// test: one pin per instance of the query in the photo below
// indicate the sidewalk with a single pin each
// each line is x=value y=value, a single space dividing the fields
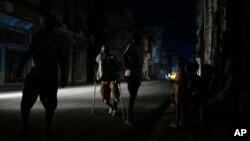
x=162 y=131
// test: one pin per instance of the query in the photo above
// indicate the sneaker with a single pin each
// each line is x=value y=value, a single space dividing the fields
x=114 y=113
x=127 y=122
x=110 y=110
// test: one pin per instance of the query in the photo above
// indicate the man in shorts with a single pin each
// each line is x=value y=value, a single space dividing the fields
x=47 y=52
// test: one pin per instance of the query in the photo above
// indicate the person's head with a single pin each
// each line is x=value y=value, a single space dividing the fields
x=50 y=21
x=105 y=49
x=193 y=66
x=137 y=38
x=181 y=62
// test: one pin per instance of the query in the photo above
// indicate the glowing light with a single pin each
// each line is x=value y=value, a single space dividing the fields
x=172 y=75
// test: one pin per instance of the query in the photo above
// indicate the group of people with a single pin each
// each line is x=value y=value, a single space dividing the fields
x=48 y=52
x=194 y=96
x=203 y=97
x=108 y=70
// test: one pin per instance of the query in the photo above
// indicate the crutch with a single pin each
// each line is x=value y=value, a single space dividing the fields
x=93 y=103
x=121 y=100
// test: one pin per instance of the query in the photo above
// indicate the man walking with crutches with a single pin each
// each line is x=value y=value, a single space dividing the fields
x=107 y=73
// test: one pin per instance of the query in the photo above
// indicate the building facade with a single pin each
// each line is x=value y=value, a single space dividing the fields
x=19 y=21
x=223 y=31
x=155 y=56
x=85 y=24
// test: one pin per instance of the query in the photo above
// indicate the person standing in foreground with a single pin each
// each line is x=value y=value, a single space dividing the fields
x=47 y=52
x=132 y=75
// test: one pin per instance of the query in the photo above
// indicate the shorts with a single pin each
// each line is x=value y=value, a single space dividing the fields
x=35 y=85
x=133 y=83
x=109 y=90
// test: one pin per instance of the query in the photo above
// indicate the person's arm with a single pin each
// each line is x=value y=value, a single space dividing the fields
x=179 y=82
x=98 y=58
x=126 y=59
x=117 y=68
x=175 y=81
x=116 y=62
x=63 y=59
x=25 y=58
x=63 y=67
x=98 y=70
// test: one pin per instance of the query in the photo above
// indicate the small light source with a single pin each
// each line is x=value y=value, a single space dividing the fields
x=172 y=75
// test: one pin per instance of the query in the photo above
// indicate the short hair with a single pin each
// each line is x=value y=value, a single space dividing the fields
x=193 y=66
x=106 y=48
x=182 y=61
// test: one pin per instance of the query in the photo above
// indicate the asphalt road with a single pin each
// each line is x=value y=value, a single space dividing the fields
x=73 y=120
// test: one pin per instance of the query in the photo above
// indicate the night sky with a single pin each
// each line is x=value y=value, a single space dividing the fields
x=176 y=17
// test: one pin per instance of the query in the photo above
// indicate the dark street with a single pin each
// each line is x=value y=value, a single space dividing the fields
x=183 y=66
x=73 y=120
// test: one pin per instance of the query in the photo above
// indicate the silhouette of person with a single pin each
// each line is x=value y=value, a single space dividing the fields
x=132 y=75
x=209 y=82
x=182 y=97
x=222 y=107
x=108 y=74
x=47 y=52
x=194 y=87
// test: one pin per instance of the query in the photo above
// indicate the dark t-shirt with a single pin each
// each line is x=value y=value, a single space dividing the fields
x=108 y=67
